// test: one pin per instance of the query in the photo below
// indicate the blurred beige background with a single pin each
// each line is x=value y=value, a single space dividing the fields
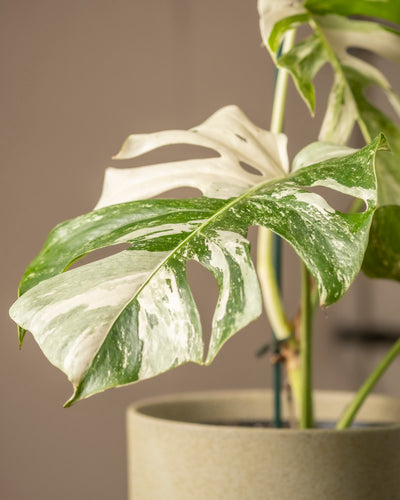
x=76 y=78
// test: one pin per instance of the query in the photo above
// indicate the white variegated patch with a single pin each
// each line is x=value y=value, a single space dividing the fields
x=228 y=132
x=271 y=12
x=168 y=325
x=71 y=314
x=228 y=257
x=319 y=151
x=343 y=34
x=148 y=233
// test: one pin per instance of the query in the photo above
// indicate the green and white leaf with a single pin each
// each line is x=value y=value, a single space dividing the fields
x=322 y=151
x=132 y=315
x=276 y=18
x=329 y=43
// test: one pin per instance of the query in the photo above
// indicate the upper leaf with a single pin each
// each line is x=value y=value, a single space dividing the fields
x=332 y=41
x=387 y=9
x=131 y=316
x=228 y=132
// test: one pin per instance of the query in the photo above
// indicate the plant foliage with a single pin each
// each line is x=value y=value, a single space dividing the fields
x=131 y=316
x=338 y=41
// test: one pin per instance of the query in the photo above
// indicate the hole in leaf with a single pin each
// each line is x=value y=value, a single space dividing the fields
x=364 y=54
x=378 y=98
x=249 y=168
x=356 y=137
x=337 y=200
x=169 y=153
x=375 y=94
x=100 y=253
x=205 y=293
x=182 y=192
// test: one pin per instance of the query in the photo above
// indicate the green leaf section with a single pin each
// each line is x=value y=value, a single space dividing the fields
x=305 y=60
x=349 y=103
x=387 y=9
x=71 y=240
x=383 y=255
x=131 y=316
x=121 y=223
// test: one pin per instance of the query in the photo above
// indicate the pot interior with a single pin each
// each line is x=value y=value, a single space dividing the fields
x=256 y=406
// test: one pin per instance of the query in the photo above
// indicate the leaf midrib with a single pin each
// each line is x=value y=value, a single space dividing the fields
x=197 y=231
x=209 y=221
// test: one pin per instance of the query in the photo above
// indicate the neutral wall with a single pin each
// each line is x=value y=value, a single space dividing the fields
x=77 y=77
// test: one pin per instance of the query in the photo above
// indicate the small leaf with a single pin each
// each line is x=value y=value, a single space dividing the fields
x=304 y=61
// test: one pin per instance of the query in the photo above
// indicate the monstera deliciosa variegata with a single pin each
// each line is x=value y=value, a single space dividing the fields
x=339 y=41
x=131 y=315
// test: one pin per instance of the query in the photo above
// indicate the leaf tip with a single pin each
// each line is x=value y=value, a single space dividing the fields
x=21 y=336
x=382 y=143
x=122 y=153
x=76 y=396
x=71 y=401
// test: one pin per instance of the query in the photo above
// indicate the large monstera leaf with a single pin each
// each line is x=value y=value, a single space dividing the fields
x=332 y=38
x=131 y=316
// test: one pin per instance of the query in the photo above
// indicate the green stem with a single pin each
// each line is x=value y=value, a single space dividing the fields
x=306 y=405
x=270 y=289
x=268 y=246
x=314 y=300
x=282 y=79
x=265 y=256
x=277 y=368
x=348 y=416
x=350 y=413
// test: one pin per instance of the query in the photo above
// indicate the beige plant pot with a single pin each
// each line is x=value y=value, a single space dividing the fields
x=173 y=456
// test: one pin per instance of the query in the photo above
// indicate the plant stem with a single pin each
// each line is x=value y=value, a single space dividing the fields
x=265 y=254
x=348 y=416
x=269 y=246
x=277 y=369
x=281 y=83
x=306 y=406
x=270 y=289
x=350 y=413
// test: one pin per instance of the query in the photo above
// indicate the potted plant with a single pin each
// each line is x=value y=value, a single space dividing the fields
x=131 y=316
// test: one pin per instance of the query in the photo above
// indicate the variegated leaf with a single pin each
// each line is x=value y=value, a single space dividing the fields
x=331 y=38
x=228 y=132
x=131 y=316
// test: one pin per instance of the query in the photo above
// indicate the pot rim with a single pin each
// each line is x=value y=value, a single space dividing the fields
x=145 y=408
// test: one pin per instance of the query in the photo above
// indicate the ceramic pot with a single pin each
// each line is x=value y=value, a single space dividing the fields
x=173 y=455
